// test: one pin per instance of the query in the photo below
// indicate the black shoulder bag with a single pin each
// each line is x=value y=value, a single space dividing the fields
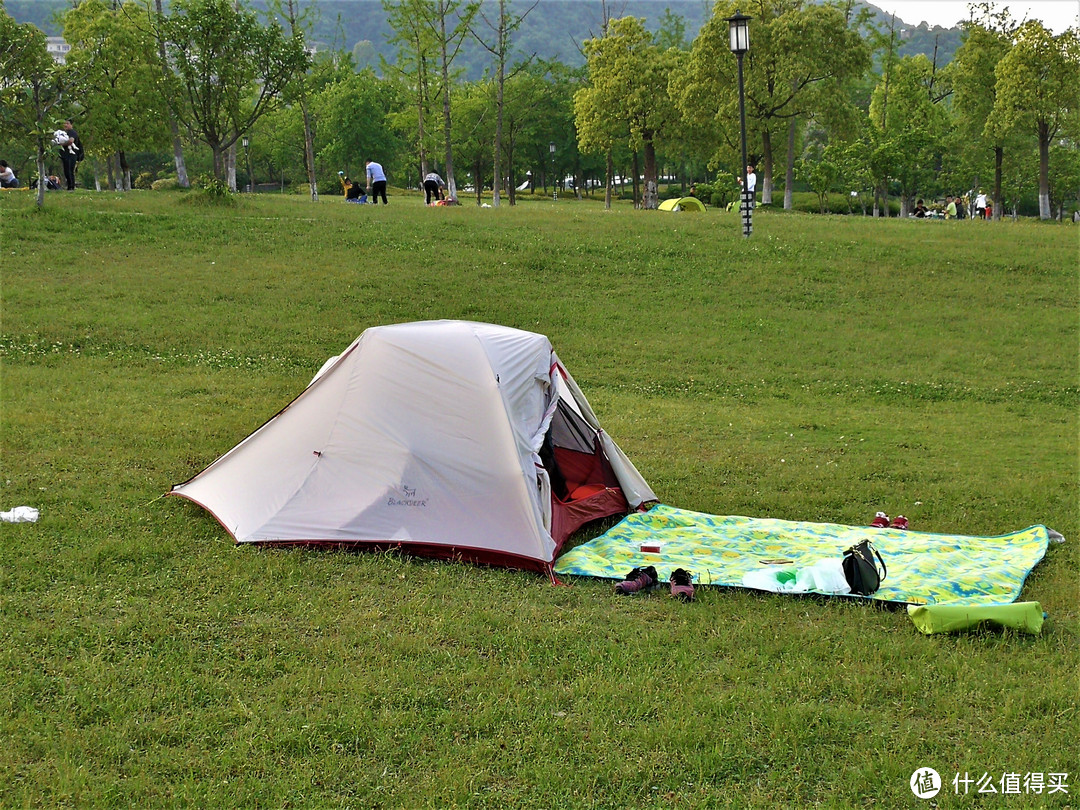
x=861 y=568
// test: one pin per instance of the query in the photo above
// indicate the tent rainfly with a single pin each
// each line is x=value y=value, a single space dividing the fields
x=446 y=439
x=682 y=204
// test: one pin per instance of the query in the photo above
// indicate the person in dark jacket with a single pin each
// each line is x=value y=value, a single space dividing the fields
x=71 y=151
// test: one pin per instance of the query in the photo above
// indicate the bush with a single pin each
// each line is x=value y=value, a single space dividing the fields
x=165 y=184
x=145 y=180
x=719 y=193
x=208 y=190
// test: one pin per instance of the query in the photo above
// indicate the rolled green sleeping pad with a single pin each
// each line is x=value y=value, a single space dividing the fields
x=1027 y=617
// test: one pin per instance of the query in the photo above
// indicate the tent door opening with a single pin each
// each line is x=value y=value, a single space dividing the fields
x=583 y=485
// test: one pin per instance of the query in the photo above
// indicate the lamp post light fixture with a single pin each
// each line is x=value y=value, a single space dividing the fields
x=554 y=182
x=739 y=31
x=247 y=154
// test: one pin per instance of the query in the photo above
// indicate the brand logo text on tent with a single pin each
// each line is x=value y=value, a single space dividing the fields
x=409 y=498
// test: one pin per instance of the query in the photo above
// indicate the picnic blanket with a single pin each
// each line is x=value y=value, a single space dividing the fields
x=923 y=568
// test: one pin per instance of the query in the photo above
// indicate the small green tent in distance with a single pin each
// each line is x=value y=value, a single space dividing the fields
x=682 y=204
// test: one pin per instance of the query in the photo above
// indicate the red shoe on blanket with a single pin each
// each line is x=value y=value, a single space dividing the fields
x=899 y=522
x=880 y=521
x=682 y=585
x=638 y=580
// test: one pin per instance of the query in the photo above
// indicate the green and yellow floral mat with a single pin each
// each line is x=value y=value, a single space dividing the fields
x=923 y=568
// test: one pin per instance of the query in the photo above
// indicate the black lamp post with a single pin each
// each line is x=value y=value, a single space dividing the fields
x=739 y=30
x=554 y=184
x=247 y=154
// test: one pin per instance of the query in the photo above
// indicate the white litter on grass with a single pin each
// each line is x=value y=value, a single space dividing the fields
x=20 y=514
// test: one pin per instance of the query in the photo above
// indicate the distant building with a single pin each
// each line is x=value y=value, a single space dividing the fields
x=57 y=48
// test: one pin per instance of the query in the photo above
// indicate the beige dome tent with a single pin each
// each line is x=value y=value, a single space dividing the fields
x=444 y=438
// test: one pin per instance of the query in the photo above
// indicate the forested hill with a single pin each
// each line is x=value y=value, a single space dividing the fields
x=553 y=30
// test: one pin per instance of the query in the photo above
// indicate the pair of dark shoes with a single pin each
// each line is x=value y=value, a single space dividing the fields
x=881 y=521
x=643 y=580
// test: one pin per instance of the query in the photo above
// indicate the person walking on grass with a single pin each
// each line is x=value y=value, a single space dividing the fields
x=71 y=151
x=377 y=181
x=980 y=205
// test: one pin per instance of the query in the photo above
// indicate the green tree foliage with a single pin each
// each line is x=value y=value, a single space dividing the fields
x=350 y=124
x=800 y=57
x=298 y=91
x=627 y=97
x=641 y=96
x=113 y=50
x=525 y=123
x=32 y=86
x=415 y=54
x=978 y=144
x=497 y=39
x=1036 y=91
x=910 y=124
x=820 y=170
x=451 y=24
x=229 y=70
x=671 y=33
x=430 y=35
x=557 y=112
x=474 y=131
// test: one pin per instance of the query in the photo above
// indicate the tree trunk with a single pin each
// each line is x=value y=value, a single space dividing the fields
x=421 y=101
x=40 y=171
x=512 y=186
x=999 y=209
x=610 y=180
x=309 y=146
x=496 y=159
x=451 y=184
x=766 y=168
x=651 y=196
x=178 y=155
x=637 y=174
x=1044 y=170
x=500 y=48
x=125 y=171
x=789 y=172
x=174 y=128
x=309 y=154
x=230 y=166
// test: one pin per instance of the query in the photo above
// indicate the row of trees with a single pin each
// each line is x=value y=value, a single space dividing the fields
x=829 y=102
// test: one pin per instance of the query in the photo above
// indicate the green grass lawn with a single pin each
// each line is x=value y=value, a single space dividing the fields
x=821 y=370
